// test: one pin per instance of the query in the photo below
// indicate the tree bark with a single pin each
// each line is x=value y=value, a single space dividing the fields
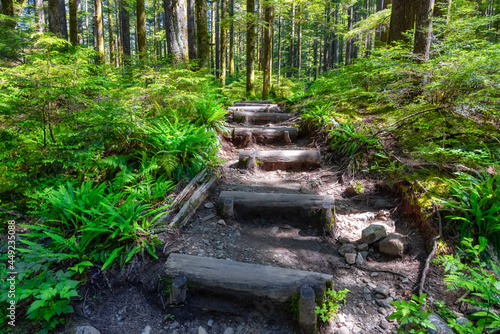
x=191 y=30
x=54 y=17
x=292 y=39
x=402 y=19
x=202 y=33
x=231 y=38
x=223 y=42
x=73 y=28
x=8 y=9
x=279 y=49
x=348 y=48
x=40 y=15
x=212 y=37
x=267 y=47
x=112 y=45
x=125 y=32
x=423 y=30
x=299 y=41
x=141 y=29
x=250 y=84
x=100 y=30
x=217 y=39
x=62 y=18
x=176 y=29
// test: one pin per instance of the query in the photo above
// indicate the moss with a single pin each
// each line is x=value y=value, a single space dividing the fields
x=294 y=307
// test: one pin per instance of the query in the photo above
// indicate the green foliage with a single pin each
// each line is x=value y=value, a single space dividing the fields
x=412 y=313
x=475 y=203
x=321 y=118
x=331 y=304
x=483 y=285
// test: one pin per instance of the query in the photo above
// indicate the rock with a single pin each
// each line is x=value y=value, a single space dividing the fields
x=405 y=280
x=307 y=190
x=202 y=330
x=359 y=259
x=374 y=232
x=354 y=210
x=366 y=290
x=392 y=245
x=383 y=324
x=210 y=323
x=344 y=240
x=382 y=289
x=274 y=230
x=147 y=330
x=356 y=330
x=229 y=330
x=342 y=330
x=441 y=326
x=363 y=247
x=463 y=321
x=221 y=222
x=209 y=205
x=347 y=248
x=374 y=274
x=350 y=258
x=364 y=254
x=382 y=203
x=86 y=330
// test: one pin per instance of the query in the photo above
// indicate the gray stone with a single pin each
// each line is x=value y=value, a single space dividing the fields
x=441 y=326
x=383 y=324
x=202 y=330
x=86 y=330
x=347 y=248
x=209 y=205
x=363 y=247
x=392 y=245
x=382 y=203
x=382 y=289
x=463 y=321
x=350 y=258
x=221 y=222
x=364 y=254
x=342 y=330
x=374 y=232
x=210 y=323
x=359 y=259
x=366 y=290
x=229 y=330
x=344 y=240
x=147 y=330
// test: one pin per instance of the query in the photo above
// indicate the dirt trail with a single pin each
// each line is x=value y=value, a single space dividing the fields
x=131 y=302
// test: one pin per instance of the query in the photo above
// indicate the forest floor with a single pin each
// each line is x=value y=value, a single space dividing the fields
x=131 y=300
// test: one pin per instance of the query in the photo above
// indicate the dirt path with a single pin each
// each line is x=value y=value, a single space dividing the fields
x=131 y=302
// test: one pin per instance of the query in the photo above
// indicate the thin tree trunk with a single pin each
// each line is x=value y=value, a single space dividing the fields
x=125 y=32
x=212 y=37
x=202 y=33
x=73 y=27
x=40 y=15
x=335 y=47
x=423 y=30
x=141 y=29
x=79 y=21
x=250 y=84
x=62 y=18
x=231 y=38
x=191 y=30
x=112 y=46
x=217 y=39
x=100 y=30
x=267 y=47
x=348 y=49
x=299 y=42
x=258 y=48
x=292 y=39
x=87 y=21
x=279 y=49
x=223 y=42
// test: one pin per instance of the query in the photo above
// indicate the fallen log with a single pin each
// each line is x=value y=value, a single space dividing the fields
x=259 y=117
x=255 y=101
x=244 y=280
x=252 y=104
x=264 y=135
x=291 y=159
x=254 y=108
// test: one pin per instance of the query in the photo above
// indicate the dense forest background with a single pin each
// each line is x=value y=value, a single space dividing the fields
x=105 y=106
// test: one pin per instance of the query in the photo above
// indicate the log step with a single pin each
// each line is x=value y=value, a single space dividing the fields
x=302 y=208
x=280 y=159
x=254 y=101
x=264 y=108
x=252 y=104
x=244 y=280
x=259 y=117
x=261 y=135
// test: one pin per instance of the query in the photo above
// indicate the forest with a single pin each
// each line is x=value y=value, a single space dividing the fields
x=108 y=109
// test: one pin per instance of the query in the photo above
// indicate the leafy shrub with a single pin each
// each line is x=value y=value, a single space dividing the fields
x=331 y=304
x=412 y=314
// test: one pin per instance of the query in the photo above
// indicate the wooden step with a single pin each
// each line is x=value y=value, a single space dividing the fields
x=259 y=117
x=274 y=108
x=243 y=280
x=255 y=101
x=301 y=208
x=261 y=135
x=252 y=104
x=280 y=159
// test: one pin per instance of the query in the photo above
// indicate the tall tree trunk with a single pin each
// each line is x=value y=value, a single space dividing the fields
x=335 y=46
x=54 y=17
x=73 y=27
x=223 y=42
x=212 y=37
x=40 y=15
x=112 y=46
x=217 y=38
x=258 y=49
x=125 y=32
x=100 y=30
x=299 y=41
x=384 y=35
x=402 y=19
x=176 y=29
x=279 y=49
x=8 y=9
x=348 y=48
x=79 y=21
x=141 y=29
x=327 y=36
x=62 y=18
x=423 y=30
x=191 y=30
x=202 y=33
x=231 y=38
x=250 y=84
x=87 y=30
x=292 y=39
x=267 y=47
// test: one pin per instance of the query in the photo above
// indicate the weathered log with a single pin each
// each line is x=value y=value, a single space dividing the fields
x=253 y=104
x=329 y=225
x=259 y=117
x=251 y=161
x=290 y=159
x=248 y=138
x=178 y=292
x=244 y=279
x=307 y=305
x=286 y=137
x=228 y=210
x=263 y=135
x=301 y=208
x=255 y=101
x=254 y=108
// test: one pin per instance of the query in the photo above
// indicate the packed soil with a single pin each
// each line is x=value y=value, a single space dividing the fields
x=133 y=300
